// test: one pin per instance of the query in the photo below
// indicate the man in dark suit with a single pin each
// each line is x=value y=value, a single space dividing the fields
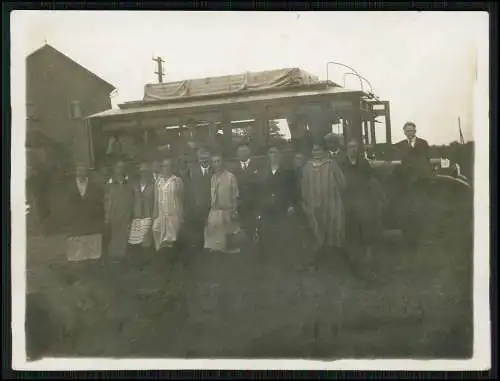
x=200 y=174
x=414 y=153
x=247 y=173
x=276 y=202
x=415 y=165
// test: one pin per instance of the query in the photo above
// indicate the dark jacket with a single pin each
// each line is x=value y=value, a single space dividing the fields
x=199 y=189
x=358 y=176
x=364 y=201
x=119 y=200
x=84 y=215
x=276 y=192
x=247 y=185
x=144 y=202
x=415 y=161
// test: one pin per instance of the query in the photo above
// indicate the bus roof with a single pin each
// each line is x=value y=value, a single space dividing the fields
x=267 y=79
x=243 y=97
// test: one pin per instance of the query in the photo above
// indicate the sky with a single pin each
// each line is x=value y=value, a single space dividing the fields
x=422 y=62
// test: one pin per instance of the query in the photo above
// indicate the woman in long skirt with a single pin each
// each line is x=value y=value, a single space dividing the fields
x=144 y=209
x=170 y=207
x=222 y=221
x=118 y=208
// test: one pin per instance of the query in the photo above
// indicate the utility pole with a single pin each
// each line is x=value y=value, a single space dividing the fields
x=462 y=141
x=159 y=61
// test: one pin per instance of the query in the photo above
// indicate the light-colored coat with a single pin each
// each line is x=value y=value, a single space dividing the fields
x=221 y=219
x=322 y=185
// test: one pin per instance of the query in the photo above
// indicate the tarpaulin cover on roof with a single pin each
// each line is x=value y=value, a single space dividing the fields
x=229 y=83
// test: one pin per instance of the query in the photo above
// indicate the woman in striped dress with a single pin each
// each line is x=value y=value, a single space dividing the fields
x=144 y=209
x=169 y=199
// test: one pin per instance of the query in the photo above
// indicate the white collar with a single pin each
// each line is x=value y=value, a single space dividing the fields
x=245 y=163
x=82 y=186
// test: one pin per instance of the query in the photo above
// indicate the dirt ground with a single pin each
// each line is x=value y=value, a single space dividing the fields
x=403 y=302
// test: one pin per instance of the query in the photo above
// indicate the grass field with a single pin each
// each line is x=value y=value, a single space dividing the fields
x=417 y=303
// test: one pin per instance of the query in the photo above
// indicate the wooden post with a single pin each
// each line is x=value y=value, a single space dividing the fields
x=388 y=133
x=212 y=131
x=91 y=144
x=355 y=125
x=265 y=132
x=327 y=119
x=346 y=130
x=256 y=135
x=373 y=137
x=159 y=61
x=262 y=131
x=365 y=132
x=146 y=138
x=227 y=133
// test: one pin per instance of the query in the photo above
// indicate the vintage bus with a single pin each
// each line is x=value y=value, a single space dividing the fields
x=178 y=116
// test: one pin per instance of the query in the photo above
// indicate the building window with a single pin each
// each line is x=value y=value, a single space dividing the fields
x=75 y=110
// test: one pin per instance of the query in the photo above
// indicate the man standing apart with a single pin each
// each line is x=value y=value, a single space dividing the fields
x=414 y=153
x=415 y=165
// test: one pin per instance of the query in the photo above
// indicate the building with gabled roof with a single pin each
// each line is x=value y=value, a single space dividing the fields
x=55 y=84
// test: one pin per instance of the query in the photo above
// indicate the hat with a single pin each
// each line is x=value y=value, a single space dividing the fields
x=331 y=137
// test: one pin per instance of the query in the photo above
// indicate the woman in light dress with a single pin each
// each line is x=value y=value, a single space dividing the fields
x=222 y=221
x=170 y=198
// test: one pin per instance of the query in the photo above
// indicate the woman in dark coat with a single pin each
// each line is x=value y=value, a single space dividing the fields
x=118 y=208
x=84 y=216
x=364 y=201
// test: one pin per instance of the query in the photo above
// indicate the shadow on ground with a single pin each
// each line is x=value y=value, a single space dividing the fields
x=415 y=303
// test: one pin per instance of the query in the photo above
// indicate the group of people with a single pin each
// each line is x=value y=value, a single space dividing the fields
x=328 y=200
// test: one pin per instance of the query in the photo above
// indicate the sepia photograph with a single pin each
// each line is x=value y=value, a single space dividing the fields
x=291 y=189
